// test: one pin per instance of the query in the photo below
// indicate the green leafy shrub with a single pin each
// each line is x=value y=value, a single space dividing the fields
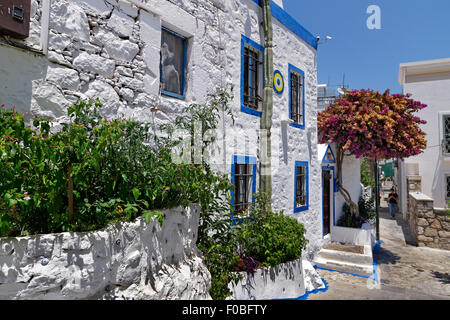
x=367 y=179
x=119 y=170
x=366 y=213
x=367 y=208
x=271 y=238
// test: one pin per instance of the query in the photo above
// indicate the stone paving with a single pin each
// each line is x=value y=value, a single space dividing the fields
x=405 y=271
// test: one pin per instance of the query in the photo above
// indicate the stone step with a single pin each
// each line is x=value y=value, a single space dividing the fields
x=355 y=268
x=337 y=255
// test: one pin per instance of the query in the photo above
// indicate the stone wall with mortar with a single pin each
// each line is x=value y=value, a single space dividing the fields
x=124 y=261
x=111 y=49
x=430 y=226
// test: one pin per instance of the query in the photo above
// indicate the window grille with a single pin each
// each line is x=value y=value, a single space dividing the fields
x=251 y=78
x=296 y=98
x=448 y=187
x=446 y=141
x=243 y=177
x=300 y=192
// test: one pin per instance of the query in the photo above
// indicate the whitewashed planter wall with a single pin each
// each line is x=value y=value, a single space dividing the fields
x=285 y=281
x=124 y=261
x=352 y=236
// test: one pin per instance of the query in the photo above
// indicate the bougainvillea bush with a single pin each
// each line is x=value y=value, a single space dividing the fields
x=367 y=123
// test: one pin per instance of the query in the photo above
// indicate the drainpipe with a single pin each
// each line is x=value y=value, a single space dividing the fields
x=45 y=19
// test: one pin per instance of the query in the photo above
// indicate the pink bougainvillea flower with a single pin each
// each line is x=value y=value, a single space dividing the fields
x=27 y=198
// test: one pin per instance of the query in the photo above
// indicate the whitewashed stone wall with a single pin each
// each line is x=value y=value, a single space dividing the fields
x=285 y=281
x=125 y=261
x=111 y=49
x=351 y=179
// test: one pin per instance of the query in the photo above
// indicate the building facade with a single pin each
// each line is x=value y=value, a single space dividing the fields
x=429 y=172
x=137 y=56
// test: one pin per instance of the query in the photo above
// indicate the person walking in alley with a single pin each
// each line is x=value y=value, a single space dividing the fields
x=393 y=199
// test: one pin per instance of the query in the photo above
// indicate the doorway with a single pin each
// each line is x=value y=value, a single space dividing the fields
x=326 y=180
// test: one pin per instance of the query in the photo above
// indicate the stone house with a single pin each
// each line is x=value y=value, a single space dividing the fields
x=424 y=180
x=139 y=55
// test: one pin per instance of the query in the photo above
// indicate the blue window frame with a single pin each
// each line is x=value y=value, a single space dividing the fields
x=243 y=177
x=173 y=64
x=296 y=97
x=301 y=186
x=252 y=76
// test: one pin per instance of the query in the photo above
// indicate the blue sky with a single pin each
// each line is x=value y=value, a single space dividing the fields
x=410 y=31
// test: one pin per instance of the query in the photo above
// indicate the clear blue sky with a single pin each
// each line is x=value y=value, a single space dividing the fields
x=410 y=31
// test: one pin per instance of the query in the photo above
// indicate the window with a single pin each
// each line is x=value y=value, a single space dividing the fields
x=251 y=76
x=301 y=189
x=243 y=177
x=296 y=97
x=447 y=194
x=446 y=140
x=173 y=64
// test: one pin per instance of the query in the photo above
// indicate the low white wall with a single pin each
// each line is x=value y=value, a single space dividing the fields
x=351 y=235
x=285 y=281
x=125 y=261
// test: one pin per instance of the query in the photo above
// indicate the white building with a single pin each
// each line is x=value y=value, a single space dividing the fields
x=138 y=54
x=333 y=201
x=429 y=83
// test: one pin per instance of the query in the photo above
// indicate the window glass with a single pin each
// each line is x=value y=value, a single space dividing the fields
x=172 y=62
x=251 y=78
x=243 y=177
x=300 y=192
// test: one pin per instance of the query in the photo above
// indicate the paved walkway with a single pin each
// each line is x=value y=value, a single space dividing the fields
x=404 y=270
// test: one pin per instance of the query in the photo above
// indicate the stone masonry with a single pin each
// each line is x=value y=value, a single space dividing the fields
x=430 y=226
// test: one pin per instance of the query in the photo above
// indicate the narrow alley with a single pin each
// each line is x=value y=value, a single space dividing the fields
x=403 y=271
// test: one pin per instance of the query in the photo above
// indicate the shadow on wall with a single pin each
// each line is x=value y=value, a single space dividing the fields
x=407 y=233
x=18 y=70
x=438 y=184
x=443 y=277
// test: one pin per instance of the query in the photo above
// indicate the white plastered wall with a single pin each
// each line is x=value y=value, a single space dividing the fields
x=83 y=62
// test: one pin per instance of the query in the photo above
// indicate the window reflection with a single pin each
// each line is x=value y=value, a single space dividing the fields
x=172 y=62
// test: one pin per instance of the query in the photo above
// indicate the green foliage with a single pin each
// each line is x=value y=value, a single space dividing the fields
x=217 y=237
x=367 y=208
x=367 y=178
x=271 y=237
x=366 y=212
x=120 y=170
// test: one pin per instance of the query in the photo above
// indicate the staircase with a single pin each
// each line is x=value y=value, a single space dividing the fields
x=346 y=258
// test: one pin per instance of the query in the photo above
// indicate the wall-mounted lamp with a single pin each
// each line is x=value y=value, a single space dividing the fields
x=327 y=38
